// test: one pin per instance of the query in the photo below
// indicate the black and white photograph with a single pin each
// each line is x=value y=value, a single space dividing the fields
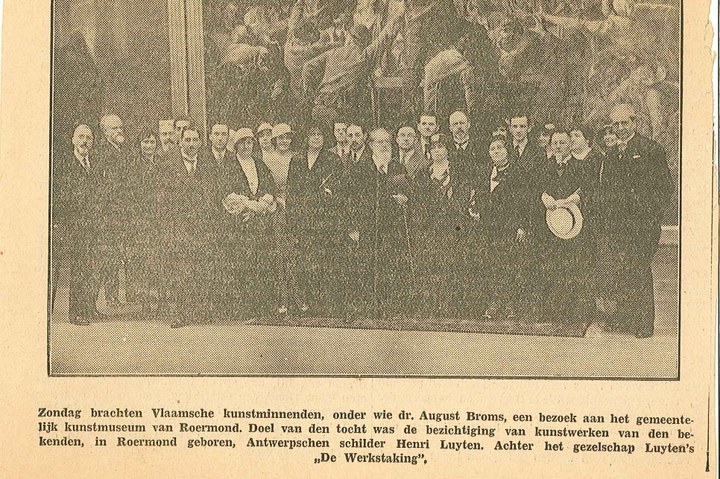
x=365 y=188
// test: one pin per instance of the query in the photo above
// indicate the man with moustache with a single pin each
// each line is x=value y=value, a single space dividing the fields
x=115 y=156
x=357 y=139
x=342 y=144
x=188 y=207
x=409 y=154
x=635 y=189
x=166 y=135
x=378 y=197
x=179 y=124
x=78 y=190
x=465 y=152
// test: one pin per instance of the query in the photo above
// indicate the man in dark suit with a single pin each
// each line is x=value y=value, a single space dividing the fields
x=427 y=127
x=523 y=151
x=78 y=189
x=377 y=223
x=115 y=156
x=635 y=189
x=188 y=205
x=502 y=207
x=342 y=144
x=357 y=140
x=216 y=151
x=409 y=153
x=166 y=135
x=466 y=153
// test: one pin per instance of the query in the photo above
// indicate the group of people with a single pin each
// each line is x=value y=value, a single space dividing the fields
x=339 y=220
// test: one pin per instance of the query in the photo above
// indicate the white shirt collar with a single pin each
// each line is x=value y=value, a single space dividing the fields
x=358 y=153
x=81 y=159
x=380 y=163
x=521 y=144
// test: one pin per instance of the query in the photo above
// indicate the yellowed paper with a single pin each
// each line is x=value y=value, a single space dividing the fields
x=293 y=401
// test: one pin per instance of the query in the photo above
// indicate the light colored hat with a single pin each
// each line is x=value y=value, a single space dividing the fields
x=263 y=127
x=281 y=129
x=565 y=222
x=238 y=135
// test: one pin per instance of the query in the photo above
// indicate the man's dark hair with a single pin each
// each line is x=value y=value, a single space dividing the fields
x=362 y=128
x=518 y=114
x=405 y=124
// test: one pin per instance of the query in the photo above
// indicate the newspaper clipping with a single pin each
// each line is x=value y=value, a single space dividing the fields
x=358 y=238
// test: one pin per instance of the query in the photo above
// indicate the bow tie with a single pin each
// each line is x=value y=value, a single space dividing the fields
x=622 y=145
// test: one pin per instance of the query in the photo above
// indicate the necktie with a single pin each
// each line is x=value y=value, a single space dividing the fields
x=426 y=148
x=354 y=156
x=517 y=150
x=86 y=163
x=383 y=169
x=193 y=166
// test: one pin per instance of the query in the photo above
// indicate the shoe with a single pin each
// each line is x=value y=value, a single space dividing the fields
x=282 y=312
x=80 y=321
x=510 y=313
x=304 y=311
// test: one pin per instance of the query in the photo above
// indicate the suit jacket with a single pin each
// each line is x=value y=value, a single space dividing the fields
x=415 y=163
x=207 y=153
x=164 y=155
x=187 y=206
x=78 y=197
x=345 y=158
x=532 y=156
x=440 y=220
x=371 y=209
x=143 y=184
x=635 y=189
x=118 y=196
x=468 y=163
x=313 y=200
x=507 y=208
